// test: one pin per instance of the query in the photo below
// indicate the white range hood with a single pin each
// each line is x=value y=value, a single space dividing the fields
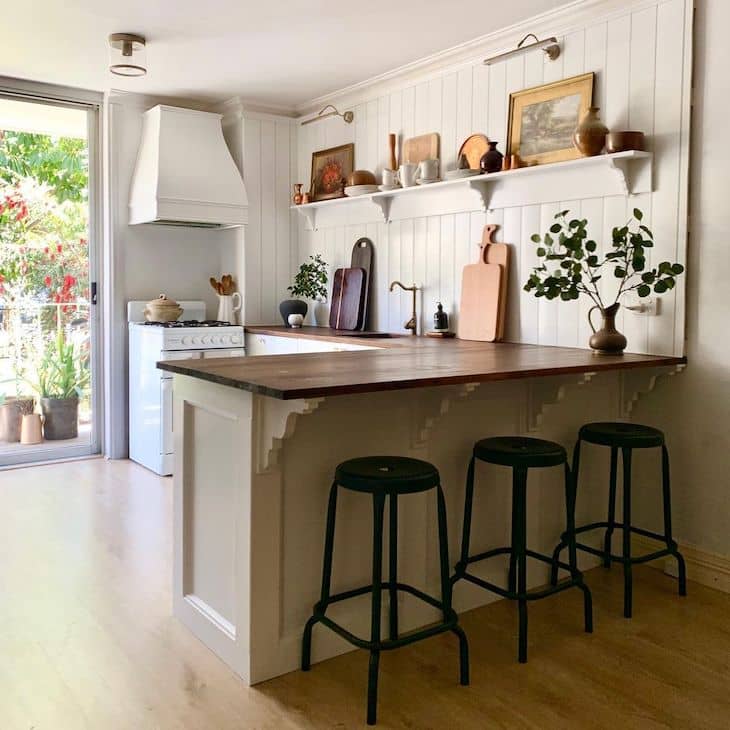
x=185 y=175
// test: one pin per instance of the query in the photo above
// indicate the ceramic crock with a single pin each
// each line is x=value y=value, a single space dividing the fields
x=162 y=309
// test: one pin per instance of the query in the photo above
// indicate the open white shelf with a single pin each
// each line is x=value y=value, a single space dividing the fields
x=622 y=173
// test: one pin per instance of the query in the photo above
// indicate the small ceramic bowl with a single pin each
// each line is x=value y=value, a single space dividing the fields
x=295 y=320
x=624 y=141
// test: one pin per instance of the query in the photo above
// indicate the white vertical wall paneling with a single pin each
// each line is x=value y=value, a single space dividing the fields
x=268 y=222
x=637 y=58
x=252 y=174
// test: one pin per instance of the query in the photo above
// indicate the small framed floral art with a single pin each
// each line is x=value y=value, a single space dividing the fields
x=330 y=169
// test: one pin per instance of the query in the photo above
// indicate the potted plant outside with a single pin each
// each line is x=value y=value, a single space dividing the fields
x=12 y=410
x=570 y=267
x=63 y=375
x=310 y=283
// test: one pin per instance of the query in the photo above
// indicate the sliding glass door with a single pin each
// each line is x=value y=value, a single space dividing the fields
x=49 y=394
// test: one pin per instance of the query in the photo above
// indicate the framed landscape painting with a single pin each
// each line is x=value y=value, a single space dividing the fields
x=542 y=119
x=330 y=169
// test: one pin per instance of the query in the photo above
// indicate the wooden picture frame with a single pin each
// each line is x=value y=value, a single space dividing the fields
x=542 y=119
x=330 y=170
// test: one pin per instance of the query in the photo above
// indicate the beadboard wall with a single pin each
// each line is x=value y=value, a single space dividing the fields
x=640 y=54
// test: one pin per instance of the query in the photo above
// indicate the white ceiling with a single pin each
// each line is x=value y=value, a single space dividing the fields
x=275 y=52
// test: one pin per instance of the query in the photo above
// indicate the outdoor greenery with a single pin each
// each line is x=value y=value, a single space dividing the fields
x=63 y=369
x=571 y=265
x=311 y=280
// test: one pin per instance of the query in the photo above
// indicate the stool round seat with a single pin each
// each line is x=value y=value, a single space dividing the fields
x=520 y=451
x=622 y=435
x=387 y=475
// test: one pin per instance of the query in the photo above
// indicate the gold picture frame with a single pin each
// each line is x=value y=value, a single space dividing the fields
x=542 y=119
x=330 y=170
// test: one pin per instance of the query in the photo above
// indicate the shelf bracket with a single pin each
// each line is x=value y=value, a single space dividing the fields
x=634 y=173
x=482 y=190
x=310 y=215
x=383 y=205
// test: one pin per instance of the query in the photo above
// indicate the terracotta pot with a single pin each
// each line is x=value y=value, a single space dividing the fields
x=492 y=159
x=607 y=340
x=60 y=418
x=590 y=134
x=31 y=429
x=297 y=198
x=11 y=417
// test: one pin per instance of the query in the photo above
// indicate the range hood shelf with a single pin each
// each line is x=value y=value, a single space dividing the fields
x=185 y=175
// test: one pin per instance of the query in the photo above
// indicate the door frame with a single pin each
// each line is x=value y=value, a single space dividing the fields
x=92 y=103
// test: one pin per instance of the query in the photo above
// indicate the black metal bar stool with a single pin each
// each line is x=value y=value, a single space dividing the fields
x=627 y=437
x=520 y=453
x=381 y=477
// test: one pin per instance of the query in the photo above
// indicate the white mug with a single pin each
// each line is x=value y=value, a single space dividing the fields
x=228 y=307
x=428 y=169
x=390 y=178
x=408 y=172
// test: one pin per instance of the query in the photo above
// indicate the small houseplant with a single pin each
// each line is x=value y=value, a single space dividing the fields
x=570 y=267
x=310 y=282
x=62 y=376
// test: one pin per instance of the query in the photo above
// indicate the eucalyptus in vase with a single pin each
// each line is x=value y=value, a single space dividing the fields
x=570 y=266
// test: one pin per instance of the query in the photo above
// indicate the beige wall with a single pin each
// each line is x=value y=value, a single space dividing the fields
x=694 y=407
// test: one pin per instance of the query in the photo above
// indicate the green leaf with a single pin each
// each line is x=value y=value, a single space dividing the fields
x=535 y=238
x=592 y=261
x=677 y=269
x=541 y=251
x=648 y=277
x=619 y=273
x=591 y=246
x=638 y=214
x=647 y=231
x=660 y=287
x=643 y=290
x=555 y=228
x=638 y=262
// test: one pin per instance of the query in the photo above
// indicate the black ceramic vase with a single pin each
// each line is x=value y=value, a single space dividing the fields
x=292 y=306
x=491 y=160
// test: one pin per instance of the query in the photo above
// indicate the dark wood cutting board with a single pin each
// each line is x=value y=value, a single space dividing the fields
x=362 y=257
x=348 y=292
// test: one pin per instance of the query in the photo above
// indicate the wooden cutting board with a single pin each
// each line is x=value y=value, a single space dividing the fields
x=481 y=284
x=498 y=253
x=348 y=292
x=362 y=258
x=424 y=147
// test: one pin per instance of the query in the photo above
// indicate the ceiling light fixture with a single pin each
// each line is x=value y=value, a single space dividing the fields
x=127 y=54
x=548 y=45
x=347 y=116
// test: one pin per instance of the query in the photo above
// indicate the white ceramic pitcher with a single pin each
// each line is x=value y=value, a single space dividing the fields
x=228 y=307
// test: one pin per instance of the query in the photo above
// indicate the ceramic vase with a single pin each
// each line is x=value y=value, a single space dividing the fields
x=229 y=305
x=321 y=312
x=607 y=340
x=491 y=160
x=590 y=134
x=297 y=197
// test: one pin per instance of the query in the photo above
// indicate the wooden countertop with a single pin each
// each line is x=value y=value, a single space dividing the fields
x=399 y=363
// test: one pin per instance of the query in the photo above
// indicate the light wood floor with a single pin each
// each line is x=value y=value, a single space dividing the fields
x=87 y=639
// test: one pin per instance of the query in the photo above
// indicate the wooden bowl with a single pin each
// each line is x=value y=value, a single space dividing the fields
x=624 y=141
x=361 y=177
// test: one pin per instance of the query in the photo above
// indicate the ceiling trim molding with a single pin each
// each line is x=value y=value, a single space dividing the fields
x=561 y=21
x=236 y=109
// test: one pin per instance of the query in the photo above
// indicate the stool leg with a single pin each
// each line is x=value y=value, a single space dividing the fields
x=378 y=509
x=564 y=537
x=393 y=565
x=321 y=607
x=512 y=574
x=626 y=458
x=466 y=528
x=443 y=552
x=682 y=571
x=519 y=484
x=607 y=541
x=570 y=519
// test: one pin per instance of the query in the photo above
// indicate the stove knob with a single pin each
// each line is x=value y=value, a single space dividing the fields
x=235 y=339
x=186 y=340
x=216 y=339
x=205 y=340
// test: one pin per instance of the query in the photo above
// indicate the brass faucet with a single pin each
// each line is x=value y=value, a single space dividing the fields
x=411 y=323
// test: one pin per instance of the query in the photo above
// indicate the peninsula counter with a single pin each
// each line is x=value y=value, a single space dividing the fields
x=257 y=440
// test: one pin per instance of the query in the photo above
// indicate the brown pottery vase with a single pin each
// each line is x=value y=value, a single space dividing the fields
x=491 y=160
x=607 y=340
x=590 y=134
x=297 y=197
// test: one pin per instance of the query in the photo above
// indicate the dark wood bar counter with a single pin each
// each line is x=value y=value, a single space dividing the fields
x=397 y=363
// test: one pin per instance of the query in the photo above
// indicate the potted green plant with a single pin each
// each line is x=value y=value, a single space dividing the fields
x=12 y=410
x=62 y=376
x=570 y=267
x=310 y=282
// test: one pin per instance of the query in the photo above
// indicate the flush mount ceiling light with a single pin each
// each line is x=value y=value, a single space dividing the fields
x=548 y=45
x=347 y=116
x=127 y=54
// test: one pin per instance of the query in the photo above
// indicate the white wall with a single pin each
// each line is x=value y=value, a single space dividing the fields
x=694 y=408
x=639 y=60
x=146 y=260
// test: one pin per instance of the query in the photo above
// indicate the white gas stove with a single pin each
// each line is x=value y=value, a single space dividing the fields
x=150 y=389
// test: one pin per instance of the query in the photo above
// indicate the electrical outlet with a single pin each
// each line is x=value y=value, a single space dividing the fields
x=648 y=306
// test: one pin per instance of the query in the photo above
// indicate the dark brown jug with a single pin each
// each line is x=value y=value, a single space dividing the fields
x=607 y=340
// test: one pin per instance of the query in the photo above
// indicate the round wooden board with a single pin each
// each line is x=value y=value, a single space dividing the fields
x=474 y=148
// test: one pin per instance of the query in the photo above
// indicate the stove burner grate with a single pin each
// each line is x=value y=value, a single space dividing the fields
x=189 y=323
